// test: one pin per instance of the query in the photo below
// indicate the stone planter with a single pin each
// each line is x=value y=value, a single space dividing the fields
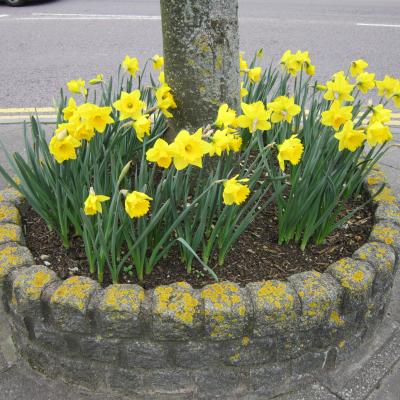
x=176 y=342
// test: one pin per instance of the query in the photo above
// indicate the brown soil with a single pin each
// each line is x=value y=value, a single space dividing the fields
x=256 y=255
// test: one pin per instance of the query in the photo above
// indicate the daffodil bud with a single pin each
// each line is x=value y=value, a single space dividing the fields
x=321 y=87
x=124 y=172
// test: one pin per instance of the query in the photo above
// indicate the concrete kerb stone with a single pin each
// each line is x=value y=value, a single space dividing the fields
x=184 y=335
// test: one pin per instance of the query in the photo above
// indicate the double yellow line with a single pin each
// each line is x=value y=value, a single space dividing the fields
x=15 y=115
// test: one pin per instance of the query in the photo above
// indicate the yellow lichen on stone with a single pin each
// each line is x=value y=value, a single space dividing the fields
x=352 y=275
x=9 y=213
x=117 y=298
x=358 y=276
x=29 y=283
x=8 y=233
x=386 y=196
x=235 y=357
x=9 y=258
x=181 y=304
x=245 y=341
x=341 y=344
x=336 y=319
x=275 y=293
x=385 y=233
x=224 y=305
x=74 y=291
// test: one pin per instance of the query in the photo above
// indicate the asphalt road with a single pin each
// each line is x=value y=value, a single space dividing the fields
x=47 y=43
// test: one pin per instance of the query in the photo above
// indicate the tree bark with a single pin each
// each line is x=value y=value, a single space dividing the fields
x=201 y=52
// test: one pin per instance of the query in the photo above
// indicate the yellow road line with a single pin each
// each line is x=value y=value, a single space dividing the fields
x=27 y=110
x=24 y=117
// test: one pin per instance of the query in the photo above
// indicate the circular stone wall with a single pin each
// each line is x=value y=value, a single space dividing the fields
x=221 y=341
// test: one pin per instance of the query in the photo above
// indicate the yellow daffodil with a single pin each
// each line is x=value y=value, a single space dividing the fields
x=188 y=149
x=377 y=133
x=388 y=86
x=70 y=109
x=339 y=88
x=129 y=105
x=165 y=100
x=160 y=154
x=365 y=81
x=77 y=86
x=294 y=63
x=142 y=127
x=158 y=62
x=235 y=142
x=62 y=147
x=336 y=116
x=137 y=204
x=290 y=150
x=234 y=191
x=93 y=202
x=357 y=67
x=97 y=79
x=254 y=117
x=220 y=142
x=242 y=63
x=95 y=117
x=161 y=78
x=226 y=116
x=254 y=74
x=380 y=114
x=283 y=109
x=79 y=129
x=349 y=138
x=131 y=65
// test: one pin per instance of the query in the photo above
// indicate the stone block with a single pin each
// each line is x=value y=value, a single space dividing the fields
x=387 y=232
x=221 y=383
x=388 y=212
x=177 y=311
x=10 y=233
x=48 y=337
x=318 y=295
x=251 y=351
x=27 y=285
x=383 y=259
x=199 y=354
x=11 y=195
x=386 y=196
x=9 y=214
x=116 y=310
x=146 y=354
x=292 y=345
x=97 y=348
x=168 y=381
x=276 y=307
x=227 y=310
x=356 y=278
x=69 y=303
x=13 y=256
x=269 y=380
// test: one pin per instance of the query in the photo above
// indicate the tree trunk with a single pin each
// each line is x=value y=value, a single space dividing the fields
x=201 y=51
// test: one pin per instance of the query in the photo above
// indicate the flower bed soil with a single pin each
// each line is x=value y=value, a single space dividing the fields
x=255 y=257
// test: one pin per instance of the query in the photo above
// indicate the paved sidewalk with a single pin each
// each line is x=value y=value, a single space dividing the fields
x=373 y=374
